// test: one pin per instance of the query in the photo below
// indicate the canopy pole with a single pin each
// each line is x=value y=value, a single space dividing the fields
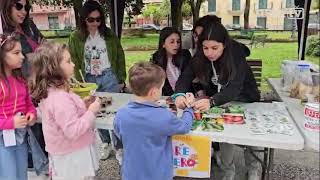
x=115 y=7
x=304 y=30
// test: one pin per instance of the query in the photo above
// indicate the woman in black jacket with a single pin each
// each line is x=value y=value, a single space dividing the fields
x=221 y=68
x=171 y=58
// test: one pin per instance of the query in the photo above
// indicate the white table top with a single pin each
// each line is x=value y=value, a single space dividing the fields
x=234 y=134
x=296 y=110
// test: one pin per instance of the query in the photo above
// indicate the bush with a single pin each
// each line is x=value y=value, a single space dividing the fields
x=313 y=46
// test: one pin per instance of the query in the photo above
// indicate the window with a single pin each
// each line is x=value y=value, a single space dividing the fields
x=235 y=5
x=289 y=3
x=263 y=4
x=212 y=5
x=236 y=20
x=288 y=24
x=53 y=22
x=262 y=22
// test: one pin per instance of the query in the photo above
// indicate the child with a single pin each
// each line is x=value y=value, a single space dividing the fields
x=17 y=111
x=68 y=125
x=146 y=128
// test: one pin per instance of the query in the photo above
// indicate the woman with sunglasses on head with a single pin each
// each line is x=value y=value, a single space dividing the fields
x=221 y=67
x=171 y=58
x=96 y=52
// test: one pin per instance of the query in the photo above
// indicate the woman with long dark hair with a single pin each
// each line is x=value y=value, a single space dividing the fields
x=15 y=19
x=171 y=58
x=96 y=52
x=221 y=68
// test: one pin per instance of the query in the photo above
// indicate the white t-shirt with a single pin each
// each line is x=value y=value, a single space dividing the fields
x=96 y=55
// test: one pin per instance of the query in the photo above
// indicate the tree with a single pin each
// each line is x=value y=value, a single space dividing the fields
x=186 y=9
x=133 y=7
x=246 y=14
x=157 y=12
x=195 y=9
x=176 y=13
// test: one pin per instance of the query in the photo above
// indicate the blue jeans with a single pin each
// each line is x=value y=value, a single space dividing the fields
x=107 y=82
x=13 y=162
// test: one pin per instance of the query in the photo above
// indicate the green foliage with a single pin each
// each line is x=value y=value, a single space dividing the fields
x=186 y=9
x=313 y=46
x=157 y=12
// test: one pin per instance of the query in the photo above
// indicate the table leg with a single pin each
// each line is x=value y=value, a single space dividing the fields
x=270 y=162
x=111 y=139
x=264 y=164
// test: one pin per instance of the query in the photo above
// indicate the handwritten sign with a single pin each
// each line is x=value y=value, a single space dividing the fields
x=191 y=156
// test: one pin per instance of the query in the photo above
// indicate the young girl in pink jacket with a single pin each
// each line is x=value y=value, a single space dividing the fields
x=16 y=111
x=68 y=121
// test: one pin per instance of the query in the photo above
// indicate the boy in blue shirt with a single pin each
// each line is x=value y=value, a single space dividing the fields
x=145 y=128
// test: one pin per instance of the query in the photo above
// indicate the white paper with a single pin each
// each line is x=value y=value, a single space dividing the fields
x=9 y=138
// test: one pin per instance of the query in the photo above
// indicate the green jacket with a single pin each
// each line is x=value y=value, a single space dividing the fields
x=115 y=54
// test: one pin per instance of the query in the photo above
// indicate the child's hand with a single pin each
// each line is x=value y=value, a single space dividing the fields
x=95 y=106
x=20 y=121
x=88 y=100
x=190 y=99
x=31 y=119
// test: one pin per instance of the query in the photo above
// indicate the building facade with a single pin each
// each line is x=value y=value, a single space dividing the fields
x=263 y=14
x=52 y=17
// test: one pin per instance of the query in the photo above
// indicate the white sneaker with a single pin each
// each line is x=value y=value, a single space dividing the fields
x=119 y=155
x=106 y=151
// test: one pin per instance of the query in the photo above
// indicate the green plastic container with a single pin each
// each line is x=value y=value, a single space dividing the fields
x=86 y=90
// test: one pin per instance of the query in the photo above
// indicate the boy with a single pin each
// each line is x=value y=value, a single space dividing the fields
x=145 y=128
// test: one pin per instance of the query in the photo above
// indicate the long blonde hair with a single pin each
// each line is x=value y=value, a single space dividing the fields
x=46 y=70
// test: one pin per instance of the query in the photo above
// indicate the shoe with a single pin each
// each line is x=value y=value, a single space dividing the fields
x=106 y=151
x=119 y=155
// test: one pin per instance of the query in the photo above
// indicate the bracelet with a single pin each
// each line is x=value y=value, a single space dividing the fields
x=174 y=96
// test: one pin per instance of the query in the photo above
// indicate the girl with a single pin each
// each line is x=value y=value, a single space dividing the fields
x=17 y=111
x=67 y=122
x=171 y=58
x=15 y=18
x=221 y=67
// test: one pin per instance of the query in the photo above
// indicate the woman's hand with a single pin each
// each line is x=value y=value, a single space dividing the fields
x=202 y=105
x=181 y=102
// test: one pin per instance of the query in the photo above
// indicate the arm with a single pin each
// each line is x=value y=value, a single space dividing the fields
x=6 y=123
x=65 y=113
x=185 y=80
x=116 y=126
x=74 y=56
x=172 y=125
x=235 y=85
x=121 y=62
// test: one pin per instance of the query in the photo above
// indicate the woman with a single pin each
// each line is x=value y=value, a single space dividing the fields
x=15 y=19
x=171 y=58
x=97 y=53
x=220 y=66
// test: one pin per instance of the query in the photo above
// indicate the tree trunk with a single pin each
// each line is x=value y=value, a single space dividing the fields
x=176 y=13
x=77 y=5
x=246 y=14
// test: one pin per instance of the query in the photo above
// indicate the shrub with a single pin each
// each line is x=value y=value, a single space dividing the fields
x=313 y=45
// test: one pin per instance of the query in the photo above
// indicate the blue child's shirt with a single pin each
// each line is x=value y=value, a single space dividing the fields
x=145 y=130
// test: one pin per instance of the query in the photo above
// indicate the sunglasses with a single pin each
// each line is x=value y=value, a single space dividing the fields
x=20 y=6
x=91 y=19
